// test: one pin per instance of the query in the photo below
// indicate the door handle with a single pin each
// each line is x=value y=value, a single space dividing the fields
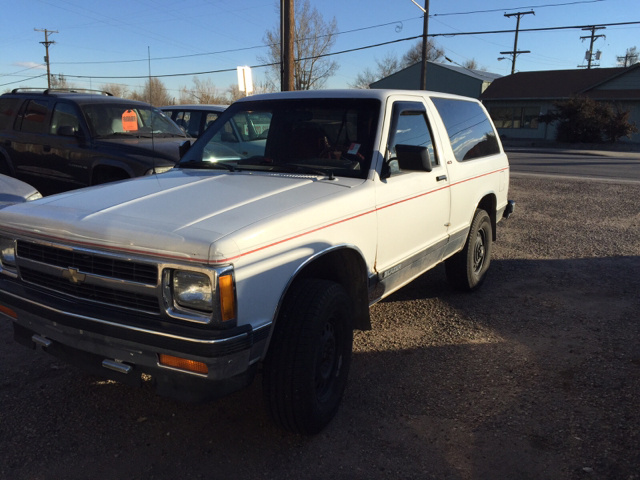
x=440 y=178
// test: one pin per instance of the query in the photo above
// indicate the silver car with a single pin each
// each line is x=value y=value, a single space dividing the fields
x=193 y=119
x=13 y=191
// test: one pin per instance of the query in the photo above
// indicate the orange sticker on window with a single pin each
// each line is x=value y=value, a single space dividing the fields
x=129 y=121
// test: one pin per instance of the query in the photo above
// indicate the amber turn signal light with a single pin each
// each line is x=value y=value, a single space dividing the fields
x=8 y=311
x=183 y=364
x=227 y=298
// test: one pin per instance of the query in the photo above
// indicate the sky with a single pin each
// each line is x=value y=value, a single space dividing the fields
x=100 y=42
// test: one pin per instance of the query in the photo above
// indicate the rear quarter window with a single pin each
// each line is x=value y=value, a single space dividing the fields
x=469 y=128
x=34 y=116
x=8 y=109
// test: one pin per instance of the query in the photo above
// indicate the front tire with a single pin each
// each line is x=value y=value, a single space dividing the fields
x=466 y=270
x=307 y=365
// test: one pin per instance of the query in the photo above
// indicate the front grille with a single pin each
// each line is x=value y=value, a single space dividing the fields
x=124 y=273
x=89 y=263
x=95 y=293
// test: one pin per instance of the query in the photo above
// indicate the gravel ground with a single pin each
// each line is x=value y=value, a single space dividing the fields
x=535 y=376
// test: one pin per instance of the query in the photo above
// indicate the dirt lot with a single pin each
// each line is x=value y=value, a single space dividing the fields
x=536 y=376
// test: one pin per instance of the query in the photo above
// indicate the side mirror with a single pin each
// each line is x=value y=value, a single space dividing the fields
x=413 y=157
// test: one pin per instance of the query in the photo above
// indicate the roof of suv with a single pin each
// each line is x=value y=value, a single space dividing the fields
x=199 y=106
x=79 y=96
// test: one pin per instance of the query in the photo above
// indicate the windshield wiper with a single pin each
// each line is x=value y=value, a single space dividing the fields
x=199 y=164
x=297 y=168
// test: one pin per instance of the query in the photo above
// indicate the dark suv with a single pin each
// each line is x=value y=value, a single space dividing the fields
x=58 y=140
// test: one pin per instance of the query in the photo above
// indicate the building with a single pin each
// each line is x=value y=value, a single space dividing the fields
x=440 y=78
x=516 y=101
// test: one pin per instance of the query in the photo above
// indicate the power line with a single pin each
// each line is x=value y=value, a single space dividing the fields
x=23 y=80
x=234 y=50
x=354 y=30
x=254 y=47
x=488 y=32
x=516 y=8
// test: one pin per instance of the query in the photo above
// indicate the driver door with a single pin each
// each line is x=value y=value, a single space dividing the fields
x=413 y=207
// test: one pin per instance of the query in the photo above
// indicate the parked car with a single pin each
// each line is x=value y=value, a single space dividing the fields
x=193 y=119
x=58 y=140
x=232 y=264
x=13 y=191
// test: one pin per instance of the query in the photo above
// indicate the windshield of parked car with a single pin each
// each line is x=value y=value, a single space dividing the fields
x=308 y=136
x=114 y=120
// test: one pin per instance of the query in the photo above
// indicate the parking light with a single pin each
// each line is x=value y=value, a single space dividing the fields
x=183 y=364
x=8 y=311
x=227 y=298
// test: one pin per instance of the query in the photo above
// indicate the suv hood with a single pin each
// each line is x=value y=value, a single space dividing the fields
x=179 y=211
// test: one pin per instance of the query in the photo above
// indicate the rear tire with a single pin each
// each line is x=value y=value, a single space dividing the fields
x=466 y=270
x=307 y=365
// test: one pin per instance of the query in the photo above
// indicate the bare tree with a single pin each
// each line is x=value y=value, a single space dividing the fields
x=385 y=67
x=234 y=93
x=153 y=92
x=202 y=91
x=414 y=55
x=116 y=89
x=313 y=39
x=60 y=81
x=629 y=58
x=390 y=64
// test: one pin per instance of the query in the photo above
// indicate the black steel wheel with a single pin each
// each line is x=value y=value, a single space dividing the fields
x=467 y=269
x=306 y=368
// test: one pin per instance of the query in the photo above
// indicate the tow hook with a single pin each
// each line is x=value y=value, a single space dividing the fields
x=116 y=366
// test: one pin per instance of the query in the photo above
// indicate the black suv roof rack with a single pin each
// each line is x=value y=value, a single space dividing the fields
x=48 y=91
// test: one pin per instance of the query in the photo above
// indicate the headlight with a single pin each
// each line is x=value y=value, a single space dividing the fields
x=7 y=253
x=156 y=170
x=192 y=290
x=205 y=296
x=34 y=196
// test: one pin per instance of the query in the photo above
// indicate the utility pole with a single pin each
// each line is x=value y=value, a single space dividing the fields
x=516 y=52
x=593 y=37
x=628 y=59
x=287 y=24
x=46 y=44
x=425 y=32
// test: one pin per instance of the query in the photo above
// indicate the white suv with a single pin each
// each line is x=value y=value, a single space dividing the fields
x=264 y=256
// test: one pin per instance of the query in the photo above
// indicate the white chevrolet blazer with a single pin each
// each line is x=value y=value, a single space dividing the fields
x=264 y=247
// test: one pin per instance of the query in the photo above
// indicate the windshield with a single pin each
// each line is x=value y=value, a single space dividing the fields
x=312 y=136
x=111 y=120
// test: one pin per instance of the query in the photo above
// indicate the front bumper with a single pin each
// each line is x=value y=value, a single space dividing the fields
x=114 y=348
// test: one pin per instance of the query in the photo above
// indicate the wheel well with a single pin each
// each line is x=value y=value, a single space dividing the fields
x=488 y=204
x=107 y=173
x=346 y=267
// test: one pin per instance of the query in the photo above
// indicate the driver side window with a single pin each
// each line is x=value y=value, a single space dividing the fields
x=409 y=127
x=64 y=115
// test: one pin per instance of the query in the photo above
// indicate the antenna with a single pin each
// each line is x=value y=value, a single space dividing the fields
x=153 y=145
